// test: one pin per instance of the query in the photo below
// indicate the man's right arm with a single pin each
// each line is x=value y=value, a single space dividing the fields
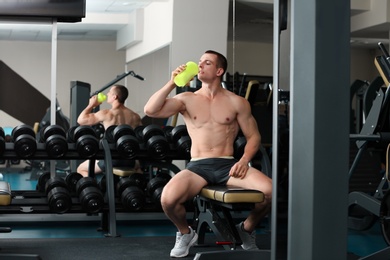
x=86 y=116
x=159 y=105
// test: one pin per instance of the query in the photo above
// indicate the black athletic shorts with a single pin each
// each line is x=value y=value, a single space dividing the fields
x=213 y=170
x=117 y=163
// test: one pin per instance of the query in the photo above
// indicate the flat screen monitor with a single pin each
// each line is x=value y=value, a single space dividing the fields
x=33 y=10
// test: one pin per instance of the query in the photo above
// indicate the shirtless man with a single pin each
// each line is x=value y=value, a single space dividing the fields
x=213 y=117
x=119 y=114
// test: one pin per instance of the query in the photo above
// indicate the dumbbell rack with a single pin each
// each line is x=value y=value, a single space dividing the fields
x=33 y=201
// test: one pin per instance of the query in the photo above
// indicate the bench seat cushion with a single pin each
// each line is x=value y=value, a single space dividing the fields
x=123 y=171
x=230 y=194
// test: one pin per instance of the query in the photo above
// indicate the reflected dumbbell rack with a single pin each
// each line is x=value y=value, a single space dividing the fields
x=81 y=144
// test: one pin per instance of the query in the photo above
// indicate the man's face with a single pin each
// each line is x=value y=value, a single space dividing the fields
x=208 y=67
x=111 y=95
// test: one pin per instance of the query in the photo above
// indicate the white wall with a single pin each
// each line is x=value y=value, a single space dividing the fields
x=96 y=63
x=362 y=64
x=157 y=30
x=198 y=25
x=251 y=58
x=154 y=67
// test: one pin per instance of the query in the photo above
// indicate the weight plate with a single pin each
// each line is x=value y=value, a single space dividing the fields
x=122 y=130
x=22 y=130
x=150 y=131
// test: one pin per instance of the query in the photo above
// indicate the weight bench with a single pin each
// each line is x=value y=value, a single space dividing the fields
x=213 y=206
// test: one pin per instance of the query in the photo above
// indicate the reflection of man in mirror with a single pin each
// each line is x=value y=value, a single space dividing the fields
x=118 y=114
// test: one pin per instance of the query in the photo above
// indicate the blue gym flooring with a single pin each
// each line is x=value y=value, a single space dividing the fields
x=360 y=243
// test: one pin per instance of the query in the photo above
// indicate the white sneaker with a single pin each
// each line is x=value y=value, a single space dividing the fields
x=248 y=240
x=183 y=243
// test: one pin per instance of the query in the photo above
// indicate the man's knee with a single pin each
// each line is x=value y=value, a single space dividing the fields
x=168 y=199
x=166 y=202
x=266 y=188
x=266 y=204
x=267 y=191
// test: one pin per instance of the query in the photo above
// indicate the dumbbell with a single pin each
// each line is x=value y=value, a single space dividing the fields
x=58 y=195
x=138 y=132
x=87 y=144
x=109 y=134
x=131 y=191
x=181 y=139
x=139 y=179
x=155 y=187
x=127 y=143
x=24 y=140
x=71 y=180
x=99 y=130
x=167 y=131
x=70 y=134
x=43 y=177
x=90 y=197
x=54 y=137
x=103 y=182
x=156 y=143
x=239 y=146
x=2 y=140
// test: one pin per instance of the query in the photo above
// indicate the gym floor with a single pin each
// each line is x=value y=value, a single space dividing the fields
x=31 y=232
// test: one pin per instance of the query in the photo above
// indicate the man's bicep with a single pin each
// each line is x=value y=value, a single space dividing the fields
x=172 y=106
x=246 y=120
x=98 y=117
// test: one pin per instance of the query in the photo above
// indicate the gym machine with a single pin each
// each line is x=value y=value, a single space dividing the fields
x=375 y=132
x=237 y=83
x=118 y=78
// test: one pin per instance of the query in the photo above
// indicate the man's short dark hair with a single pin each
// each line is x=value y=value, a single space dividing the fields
x=122 y=93
x=221 y=59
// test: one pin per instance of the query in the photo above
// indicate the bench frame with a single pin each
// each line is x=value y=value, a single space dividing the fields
x=216 y=215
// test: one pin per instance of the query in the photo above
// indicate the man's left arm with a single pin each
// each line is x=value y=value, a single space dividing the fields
x=253 y=140
x=249 y=128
